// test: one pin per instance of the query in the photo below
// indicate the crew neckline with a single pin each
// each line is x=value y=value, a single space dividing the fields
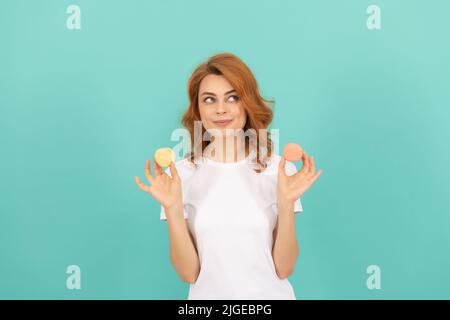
x=227 y=164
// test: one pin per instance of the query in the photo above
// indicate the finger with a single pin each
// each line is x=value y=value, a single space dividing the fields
x=157 y=168
x=317 y=175
x=312 y=165
x=282 y=165
x=141 y=185
x=173 y=171
x=148 y=173
x=305 y=163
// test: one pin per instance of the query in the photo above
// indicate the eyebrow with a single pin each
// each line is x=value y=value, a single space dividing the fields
x=214 y=94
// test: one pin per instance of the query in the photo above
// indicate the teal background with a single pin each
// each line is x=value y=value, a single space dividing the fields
x=81 y=111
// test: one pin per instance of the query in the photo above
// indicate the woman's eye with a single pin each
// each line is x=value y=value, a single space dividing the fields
x=211 y=99
x=236 y=98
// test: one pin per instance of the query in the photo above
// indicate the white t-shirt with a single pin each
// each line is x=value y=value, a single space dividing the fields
x=232 y=212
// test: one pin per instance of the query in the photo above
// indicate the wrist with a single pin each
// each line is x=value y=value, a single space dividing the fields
x=285 y=205
x=174 y=207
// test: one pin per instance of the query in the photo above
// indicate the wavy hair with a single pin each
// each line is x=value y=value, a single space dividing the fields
x=259 y=110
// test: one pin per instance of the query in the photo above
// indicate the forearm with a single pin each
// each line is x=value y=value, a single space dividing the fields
x=285 y=249
x=183 y=253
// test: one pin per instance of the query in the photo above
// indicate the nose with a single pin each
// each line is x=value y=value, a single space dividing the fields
x=221 y=108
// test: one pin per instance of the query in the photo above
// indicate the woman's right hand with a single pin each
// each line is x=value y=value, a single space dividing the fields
x=165 y=189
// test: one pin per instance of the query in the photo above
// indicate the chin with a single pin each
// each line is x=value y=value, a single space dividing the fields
x=223 y=131
x=231 y=132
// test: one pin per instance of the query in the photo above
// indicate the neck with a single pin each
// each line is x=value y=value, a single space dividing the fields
x=227 y=148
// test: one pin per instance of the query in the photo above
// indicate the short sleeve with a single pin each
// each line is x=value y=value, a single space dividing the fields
x=163 y=212
x=291 y=169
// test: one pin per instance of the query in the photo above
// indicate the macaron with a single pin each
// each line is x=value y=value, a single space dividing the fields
x=292 y=152
x=164 y=156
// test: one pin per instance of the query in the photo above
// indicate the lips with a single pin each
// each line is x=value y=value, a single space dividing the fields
x=222 y=122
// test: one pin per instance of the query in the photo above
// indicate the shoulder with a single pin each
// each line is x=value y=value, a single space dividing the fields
x=273 y=163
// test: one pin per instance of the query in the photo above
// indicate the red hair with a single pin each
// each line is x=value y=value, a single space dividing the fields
x=241 y=78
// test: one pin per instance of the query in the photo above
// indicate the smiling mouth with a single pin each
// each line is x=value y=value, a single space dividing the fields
x=222 y=122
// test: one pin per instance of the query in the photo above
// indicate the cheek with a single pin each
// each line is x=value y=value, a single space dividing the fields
x=203 y=112
x=242 y=114
x=204 y=116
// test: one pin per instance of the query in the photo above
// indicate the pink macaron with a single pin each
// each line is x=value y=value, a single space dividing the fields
x=292 y=152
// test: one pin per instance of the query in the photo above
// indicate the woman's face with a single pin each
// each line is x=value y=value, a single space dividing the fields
x=219 y=105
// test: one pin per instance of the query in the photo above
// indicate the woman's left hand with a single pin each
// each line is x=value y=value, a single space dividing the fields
x=290 y=188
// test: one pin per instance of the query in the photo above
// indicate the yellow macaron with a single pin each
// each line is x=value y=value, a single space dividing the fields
x=164 y=156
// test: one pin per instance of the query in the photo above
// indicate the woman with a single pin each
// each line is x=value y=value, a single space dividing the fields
x=230 y=207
